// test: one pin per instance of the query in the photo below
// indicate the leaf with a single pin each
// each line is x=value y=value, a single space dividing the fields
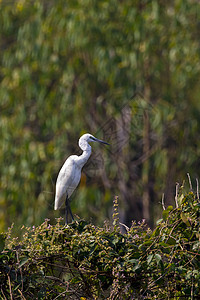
x=23 y=261
x=171 y=241
x=149 y=258
x=158 y=221
x=157 y=230
x=158 y=258
x=136 y=267
x=145 y=244
x=184 y=218
x=166 y=212
x=180 y=199
x=165 y=247
x=133 y=261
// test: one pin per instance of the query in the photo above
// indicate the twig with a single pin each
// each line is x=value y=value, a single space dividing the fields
x=192 y=287
x=126 y=227
x=176 y=197
x=61 y=294
x=3 y=294
x=21 y=294
x=10 y=289
x=153 y=282
x=163 y=204
x=190 y=183
x=20 y=269
x=197 y=188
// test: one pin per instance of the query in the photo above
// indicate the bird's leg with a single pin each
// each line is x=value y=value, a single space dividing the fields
x=68 y=208
x=70 y=211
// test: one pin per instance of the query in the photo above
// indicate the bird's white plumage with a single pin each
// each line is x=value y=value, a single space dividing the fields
x=68 y=179
x=70 y=173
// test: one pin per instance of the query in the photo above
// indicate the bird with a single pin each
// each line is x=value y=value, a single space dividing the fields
x=70 y=174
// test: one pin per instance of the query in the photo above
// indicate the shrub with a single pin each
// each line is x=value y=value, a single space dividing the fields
x=82 y=261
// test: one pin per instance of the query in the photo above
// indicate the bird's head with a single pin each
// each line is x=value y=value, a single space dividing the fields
x=86 y=139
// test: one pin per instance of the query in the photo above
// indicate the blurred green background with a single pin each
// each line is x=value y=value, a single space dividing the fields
x=127 y=72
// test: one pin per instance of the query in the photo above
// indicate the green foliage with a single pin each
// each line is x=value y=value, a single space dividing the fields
x=82 y=261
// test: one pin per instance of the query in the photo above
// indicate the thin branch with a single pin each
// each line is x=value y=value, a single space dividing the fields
x=126 y=227
x=21 y=294
x=163 y=204
x=61 y=294
x=20 y=269
x=176 y=197
x=10 y=289
x=190 y=183
x=3 y=294
x=67 y=291
x=192 y=287
x=197 y=188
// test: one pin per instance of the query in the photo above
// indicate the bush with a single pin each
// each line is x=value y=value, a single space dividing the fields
x=82 y=261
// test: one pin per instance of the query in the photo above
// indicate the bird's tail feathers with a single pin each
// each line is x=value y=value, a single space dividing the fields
x=55 y=206
x=58 y=202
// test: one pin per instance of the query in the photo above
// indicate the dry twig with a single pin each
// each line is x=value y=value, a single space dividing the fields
x=163 y=204
x=176 y=197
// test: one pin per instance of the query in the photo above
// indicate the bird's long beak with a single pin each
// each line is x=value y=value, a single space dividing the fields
x=100 y=141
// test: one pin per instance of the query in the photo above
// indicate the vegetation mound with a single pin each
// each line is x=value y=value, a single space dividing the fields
x=82 y=261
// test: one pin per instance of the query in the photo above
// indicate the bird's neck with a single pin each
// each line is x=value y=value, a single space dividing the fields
x=83 y=158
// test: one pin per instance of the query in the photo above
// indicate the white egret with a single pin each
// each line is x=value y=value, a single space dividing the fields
x=70 y=173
